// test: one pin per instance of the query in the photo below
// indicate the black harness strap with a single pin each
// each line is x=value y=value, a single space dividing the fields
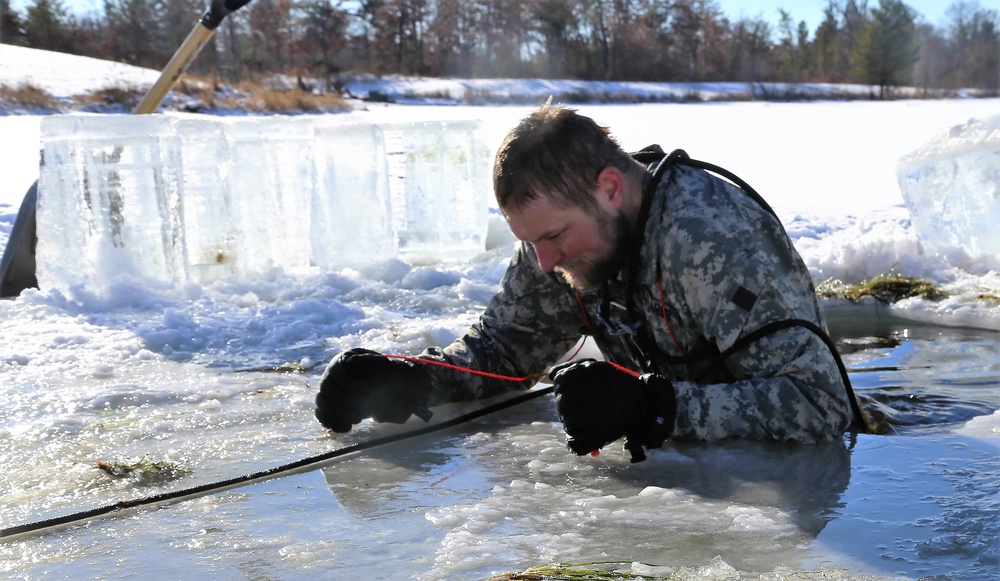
x=775 y=326
x=655 y=154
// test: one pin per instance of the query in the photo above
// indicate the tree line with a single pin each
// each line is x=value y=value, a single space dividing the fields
x=884 y=43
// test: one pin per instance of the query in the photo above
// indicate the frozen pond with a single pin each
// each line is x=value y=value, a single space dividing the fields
x=501 y=493
x=201 y=383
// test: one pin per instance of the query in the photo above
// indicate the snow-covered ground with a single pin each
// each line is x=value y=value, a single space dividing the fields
x=168 y=374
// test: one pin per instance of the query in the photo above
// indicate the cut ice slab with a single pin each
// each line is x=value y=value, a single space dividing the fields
x=952 y=189
x=172 y=201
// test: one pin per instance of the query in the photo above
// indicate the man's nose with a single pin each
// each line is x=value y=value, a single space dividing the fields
x=548 y=255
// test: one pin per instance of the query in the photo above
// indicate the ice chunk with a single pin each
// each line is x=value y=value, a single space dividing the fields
x=951 y=187
x=211 y=227
x=90 y=219
x=352 y=213
x=442 y=203
x=271 y=174
x=182 y=199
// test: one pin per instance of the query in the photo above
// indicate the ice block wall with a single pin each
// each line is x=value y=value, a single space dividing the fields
x=951 y=187
x=173 y=200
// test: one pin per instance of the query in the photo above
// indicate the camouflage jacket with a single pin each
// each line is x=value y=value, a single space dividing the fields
x=713 y=266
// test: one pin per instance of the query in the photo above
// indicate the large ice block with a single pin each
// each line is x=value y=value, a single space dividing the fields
x=211 y=228
x=271 y=175
x=352 y=211
x=951 y=187
x=195 y=199
x=441 y=202
x=90 y=219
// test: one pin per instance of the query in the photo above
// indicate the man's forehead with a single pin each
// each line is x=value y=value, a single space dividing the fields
x=538 y=219
x=529 y=202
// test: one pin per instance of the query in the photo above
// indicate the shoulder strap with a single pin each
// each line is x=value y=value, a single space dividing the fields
x=654 y=153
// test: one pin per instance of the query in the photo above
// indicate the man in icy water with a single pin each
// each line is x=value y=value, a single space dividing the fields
x=705 y=313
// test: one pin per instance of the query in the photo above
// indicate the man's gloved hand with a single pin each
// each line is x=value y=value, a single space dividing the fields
x=361 y=384
x=599 y=403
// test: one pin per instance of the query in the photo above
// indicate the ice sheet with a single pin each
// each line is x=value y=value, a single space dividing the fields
x=952 y=189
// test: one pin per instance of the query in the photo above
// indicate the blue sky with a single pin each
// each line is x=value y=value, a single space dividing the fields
x=812 y=10
x=809 y=10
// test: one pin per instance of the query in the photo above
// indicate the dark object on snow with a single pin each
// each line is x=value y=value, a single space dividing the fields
x=17 y=269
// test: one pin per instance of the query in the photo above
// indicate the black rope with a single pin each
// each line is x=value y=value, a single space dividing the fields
x=685 y=160
x=653 y=153
x=203 y=489
x=861 y=424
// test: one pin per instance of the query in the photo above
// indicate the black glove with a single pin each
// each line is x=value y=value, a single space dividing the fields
x=599 y=403
x=361 y=384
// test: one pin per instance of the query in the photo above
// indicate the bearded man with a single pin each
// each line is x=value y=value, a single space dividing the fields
x=706 y=316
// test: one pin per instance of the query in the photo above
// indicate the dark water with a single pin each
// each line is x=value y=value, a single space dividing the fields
x=914 y=378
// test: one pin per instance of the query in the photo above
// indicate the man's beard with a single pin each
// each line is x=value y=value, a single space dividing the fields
x=607 y=266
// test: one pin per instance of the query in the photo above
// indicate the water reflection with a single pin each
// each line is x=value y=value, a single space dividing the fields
x=510 y=481
x=915 y=379
x=885 y=504
x=807 y=481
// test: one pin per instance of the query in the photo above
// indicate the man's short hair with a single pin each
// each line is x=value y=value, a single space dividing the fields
x=554 y=152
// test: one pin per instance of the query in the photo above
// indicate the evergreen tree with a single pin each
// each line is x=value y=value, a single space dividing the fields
x=886 y=49
x=11 y=26
x=556 y=26
x=788 y=54
x=46 y=25
x=750 y=51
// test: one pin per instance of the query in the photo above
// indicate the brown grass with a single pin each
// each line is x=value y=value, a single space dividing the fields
x=117 y=97
x=213 y=94
x=26 y=95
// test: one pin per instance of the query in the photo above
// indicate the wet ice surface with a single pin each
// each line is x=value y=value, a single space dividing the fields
x=501 y=493
x=143 y=373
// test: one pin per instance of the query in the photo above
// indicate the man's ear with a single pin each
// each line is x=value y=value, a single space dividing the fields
x=611 y=188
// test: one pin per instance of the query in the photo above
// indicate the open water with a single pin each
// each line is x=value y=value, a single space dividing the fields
x=501 y=494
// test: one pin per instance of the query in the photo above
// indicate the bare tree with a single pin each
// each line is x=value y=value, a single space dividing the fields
x=133 y=32
x=321 y=37
x=651 y=40
x=700 y=29
x=973 y=45
x=933 y=65
x=503 y=29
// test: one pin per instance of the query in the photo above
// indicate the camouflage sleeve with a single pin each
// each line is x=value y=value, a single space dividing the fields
x=529 y=324
x=737 y=278
x=794 y=394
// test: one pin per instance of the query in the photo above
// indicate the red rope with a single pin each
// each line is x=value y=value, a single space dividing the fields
x=579 y=301
x=579 y=298
x=663 y=309
x=625 y=369
x=458 y=368
x=486 y=373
